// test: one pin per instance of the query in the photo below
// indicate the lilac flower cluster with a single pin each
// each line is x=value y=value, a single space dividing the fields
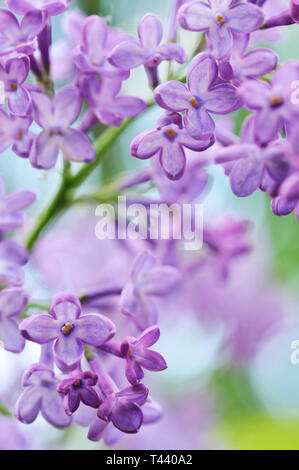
x=91 y=367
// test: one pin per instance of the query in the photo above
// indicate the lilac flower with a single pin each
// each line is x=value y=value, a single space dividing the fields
x=106 y=105
x=147 y=282
x=272 y=103
x=200 y=97
x=12 y=303
x=168 y=142
x=52 y=7
x=147 y=51
x=288 y=197
x=13 y=75
x=241 y=66
x=79 y=388
x=40 y=395
x=249 y=161
x=219 y=18
x=14 y=131
x=11 y=217
x=69 y=328
x=55 y=118
x=137 y=354
x=13 y=257
x=97 y=41
x=20 y=38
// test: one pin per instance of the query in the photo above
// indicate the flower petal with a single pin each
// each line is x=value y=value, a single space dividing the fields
x=76 y=146
x=40 y=328
x=10 y=336
x=28 y=405
x=244 y=18
x=246 y=176
x=126 y=416
x=68 y=350
x=128 y=55
x=201 y=74
x=150 y=31
x=173 y=161
x=66 y=106
x=195 y=16
x=173 y=96
x=146 y=144
x=44 y=152
x=222 y=99
x=19 y=102
x=94 y=329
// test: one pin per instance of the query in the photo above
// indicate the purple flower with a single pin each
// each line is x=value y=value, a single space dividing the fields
x=69 y=328
x=168 y=142
x=11 y=217
x=200 y=97
x=147 y=282
x=138 y=356
x=288 y=197
x=14 y=131
x=295 y=10
x=52 y=7
x=241 y=66
x=13 y=75
x=79 y=388
x=97 y=42
x=123 y=409
x=219 y=18
x=106 y=105
x=13 y=257
x=272 y=102
x=40 y=395
x=249 y=162
x=12 y=303
x=147 y=51
x=20 y=38
x=55 y=117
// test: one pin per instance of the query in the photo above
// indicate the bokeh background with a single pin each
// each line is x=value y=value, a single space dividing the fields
x=245 y=396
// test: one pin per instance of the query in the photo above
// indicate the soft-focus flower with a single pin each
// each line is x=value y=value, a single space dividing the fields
x=40 y=395
x=11 y=217
x=168 y=143
x=79 y=388
x=12 y=303
x=249 y=162
x=14 y=131
x=13 y=257
x=69 y=328
x=138 y=356
x=147 y=282
x=52 y=7
x=147 y=51
x=201 y=96
x=55 y=118
x=272 y=102
x=13 y=76
x=97 y=41
x=20 y=38
x=106 y=105
x=241 y=66
x=219 y=18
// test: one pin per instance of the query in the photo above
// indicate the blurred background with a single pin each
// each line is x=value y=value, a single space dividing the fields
x=244 y=396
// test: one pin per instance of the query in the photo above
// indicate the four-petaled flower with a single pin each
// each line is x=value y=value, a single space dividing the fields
x=68 y=328
x=13 y=76
x=12 y=303
x=52 y=7
x=138 y=356
x=40 y=395
x=147 y=51
x=219 y=18
x=79 y=388
x=201 y=96
x=14 y=131
x=147 y=282
x=168 y=142
x=55 y=117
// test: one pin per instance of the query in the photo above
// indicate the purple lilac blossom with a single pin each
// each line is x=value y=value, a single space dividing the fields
x=147 y=282
x=40 y=395
x=79 y=388
x=14 y=131
x=108 y=107
x=168 y=143
x=13 y=76
x=55 y=118
x=21 y=38
x=69 y=328
x=52 y=7
x=201 y=96
x=98 y=40
x=219 y=19
x=138 y=356
x=11 y=217
x=12 y=303
x=13 y=257
x=147 y=51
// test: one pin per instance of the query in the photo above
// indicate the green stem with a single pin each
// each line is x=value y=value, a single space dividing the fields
x=4 y=411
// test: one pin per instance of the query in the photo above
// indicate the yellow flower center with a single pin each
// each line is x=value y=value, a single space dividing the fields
x=171 y=133
x=276 y=100
x=67 y=328
x=220 y=20
x=194 y=102
x=13 y=86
